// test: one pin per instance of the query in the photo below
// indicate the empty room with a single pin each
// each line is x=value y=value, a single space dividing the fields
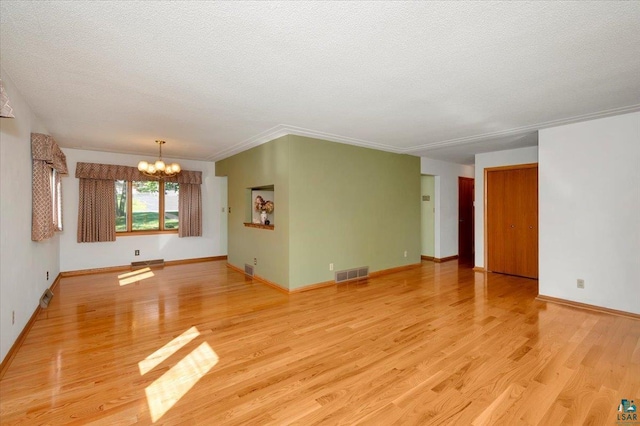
x=316 y=212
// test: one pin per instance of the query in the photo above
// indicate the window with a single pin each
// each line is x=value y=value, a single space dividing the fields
x=56 y=200
x=146 y=206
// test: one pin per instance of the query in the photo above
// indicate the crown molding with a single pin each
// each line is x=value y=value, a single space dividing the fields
x=524 y=129
x=286 y=129
x=259 y=139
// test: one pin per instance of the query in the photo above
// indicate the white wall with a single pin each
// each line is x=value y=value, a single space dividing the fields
x=487 y=160
x=23 y=263
x=589 y=176
x=427 y=214
x=77 y=256
x=446 y=221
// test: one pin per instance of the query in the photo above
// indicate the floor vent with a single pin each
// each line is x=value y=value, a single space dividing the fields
x=248 y=269
x=46 y=298
x=156 y=263
x=352 y=274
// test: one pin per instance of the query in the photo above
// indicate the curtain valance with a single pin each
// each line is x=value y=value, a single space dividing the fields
x=44 y=148
x=114 y=172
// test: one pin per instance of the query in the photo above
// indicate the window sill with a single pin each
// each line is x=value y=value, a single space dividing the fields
x=259 y=225
x=139 y=233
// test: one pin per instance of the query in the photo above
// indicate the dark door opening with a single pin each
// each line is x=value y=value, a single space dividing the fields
x=465 y=220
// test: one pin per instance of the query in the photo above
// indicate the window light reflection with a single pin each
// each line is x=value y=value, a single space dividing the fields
x=153 y=360
x=134 y=276
x=165 y=391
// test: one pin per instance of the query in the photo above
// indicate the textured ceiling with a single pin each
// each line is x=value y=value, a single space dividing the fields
x=438 y=79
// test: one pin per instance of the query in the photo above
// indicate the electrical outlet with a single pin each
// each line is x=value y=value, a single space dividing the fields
x=405 y=253
x=13 y=317
x=255 y=261
x=331 y=266
x=47 y=275
x=137 y=253
x=580 y=283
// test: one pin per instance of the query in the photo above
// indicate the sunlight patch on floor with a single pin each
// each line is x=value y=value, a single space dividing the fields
x=132 y=277
x=150 y=362
x=167 y=390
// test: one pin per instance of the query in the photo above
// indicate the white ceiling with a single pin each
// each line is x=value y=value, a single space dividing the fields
x=438 y=79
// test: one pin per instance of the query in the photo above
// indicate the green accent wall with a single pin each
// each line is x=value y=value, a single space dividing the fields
x=267 y=164
x=352 y=207
x=336 y=203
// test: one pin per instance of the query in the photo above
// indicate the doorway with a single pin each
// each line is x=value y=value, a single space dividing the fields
x=465 y=220
x=427 y=215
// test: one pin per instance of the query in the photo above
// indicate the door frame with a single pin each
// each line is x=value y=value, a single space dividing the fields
x=486 y=172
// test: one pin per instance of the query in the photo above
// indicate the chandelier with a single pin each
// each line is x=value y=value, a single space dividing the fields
x=159 y=169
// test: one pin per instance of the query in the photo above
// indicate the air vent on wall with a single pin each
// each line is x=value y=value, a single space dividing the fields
x=248 y=270
x=46 y=298
x=352 y=274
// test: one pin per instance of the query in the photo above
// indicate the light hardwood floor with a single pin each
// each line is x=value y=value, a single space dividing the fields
x=201 y=344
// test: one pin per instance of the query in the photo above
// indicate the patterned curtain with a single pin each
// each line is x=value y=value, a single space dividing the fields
x=5 y=108
x=96 y=211
x=46 y=193
x=42 y=226
x=190 y=210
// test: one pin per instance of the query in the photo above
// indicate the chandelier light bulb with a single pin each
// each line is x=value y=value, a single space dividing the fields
x=159 y=169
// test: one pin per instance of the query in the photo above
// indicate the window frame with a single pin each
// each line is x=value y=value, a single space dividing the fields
x=161 y=213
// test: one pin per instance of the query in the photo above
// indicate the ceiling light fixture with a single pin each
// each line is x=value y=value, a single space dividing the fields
x=159 y=169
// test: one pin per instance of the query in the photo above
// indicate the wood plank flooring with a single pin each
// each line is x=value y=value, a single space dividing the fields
x=202 y=344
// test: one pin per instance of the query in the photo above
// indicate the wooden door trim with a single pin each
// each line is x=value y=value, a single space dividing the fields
x=486 y=172
x=511 y=167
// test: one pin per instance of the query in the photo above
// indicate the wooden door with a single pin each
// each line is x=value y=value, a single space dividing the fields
x=497 y=224
x=465 y=219
x=512 y=221
x=528 y=263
